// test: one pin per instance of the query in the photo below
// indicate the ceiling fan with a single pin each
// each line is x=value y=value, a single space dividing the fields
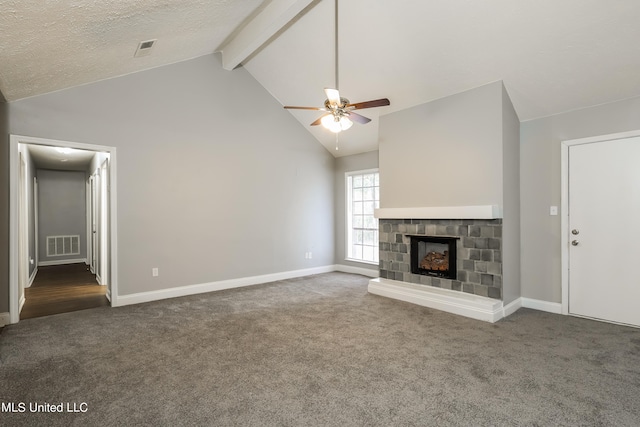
x=340 y=113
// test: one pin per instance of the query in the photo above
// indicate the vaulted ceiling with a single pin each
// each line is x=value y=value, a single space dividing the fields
x=553 y=56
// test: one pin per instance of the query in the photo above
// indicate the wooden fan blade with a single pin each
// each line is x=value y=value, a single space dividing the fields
x=370 y=104
x=289 y=107
x=317 y=122
x=358 y=118
x=333 y=96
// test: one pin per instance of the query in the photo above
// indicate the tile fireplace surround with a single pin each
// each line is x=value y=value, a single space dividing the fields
x=479 y=253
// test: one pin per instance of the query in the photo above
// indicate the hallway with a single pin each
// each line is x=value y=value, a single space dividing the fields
x=62 y=289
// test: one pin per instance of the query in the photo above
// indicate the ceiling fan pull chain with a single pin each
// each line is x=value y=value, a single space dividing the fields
x=337 y=141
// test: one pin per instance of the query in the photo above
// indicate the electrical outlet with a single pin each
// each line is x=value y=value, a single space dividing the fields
x=553 y=210
x=310 y=255
x=154 y=272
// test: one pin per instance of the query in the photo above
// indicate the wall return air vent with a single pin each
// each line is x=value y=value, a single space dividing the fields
x=63 y=245
x=144 y=48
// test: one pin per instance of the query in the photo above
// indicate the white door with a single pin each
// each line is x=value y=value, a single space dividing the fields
x=604 y=229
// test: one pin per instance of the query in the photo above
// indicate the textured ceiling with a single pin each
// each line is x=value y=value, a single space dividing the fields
x=51 y=45
x=553 y=56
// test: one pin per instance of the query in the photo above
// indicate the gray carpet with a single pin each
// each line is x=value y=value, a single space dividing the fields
x=318 y=351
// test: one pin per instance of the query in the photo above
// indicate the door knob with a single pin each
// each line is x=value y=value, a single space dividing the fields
x=574 y=242
x=575 y=231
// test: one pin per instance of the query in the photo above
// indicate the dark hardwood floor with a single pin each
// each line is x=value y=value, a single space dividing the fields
x=62 y=289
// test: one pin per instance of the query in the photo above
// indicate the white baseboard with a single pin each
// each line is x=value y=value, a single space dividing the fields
x=61 y=262
x=357 y=270
x=536 y=304
x=181 y=291
x=108 y=294
x=5 y=319
x=512 y=307
x=468 y=305
x=32 y=277
x=21 y=304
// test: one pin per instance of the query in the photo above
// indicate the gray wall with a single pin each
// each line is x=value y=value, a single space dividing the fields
x=345 y=164
x=540 y=186
x=444 y=153
x=511 y=289
x=215 y=179
x=4 y=207
x=62 y=209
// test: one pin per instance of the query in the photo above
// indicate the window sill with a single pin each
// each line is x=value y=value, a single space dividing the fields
x=362 y=261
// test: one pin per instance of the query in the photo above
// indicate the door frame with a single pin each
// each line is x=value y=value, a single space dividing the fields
x=23 y=231
x=564 y=202
x=36 y=255
x=14 y=170
x=88 y=213
x=97 y=180
x=104 y=224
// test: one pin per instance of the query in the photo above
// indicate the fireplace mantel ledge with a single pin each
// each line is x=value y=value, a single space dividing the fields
x=441 y=212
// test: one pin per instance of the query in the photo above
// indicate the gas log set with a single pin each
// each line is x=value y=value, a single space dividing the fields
x=435 y=261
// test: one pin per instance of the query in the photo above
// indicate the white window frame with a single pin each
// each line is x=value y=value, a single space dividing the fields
x=349 y=217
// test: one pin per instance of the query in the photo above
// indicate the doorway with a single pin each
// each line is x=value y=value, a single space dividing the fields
x=66 y=246
x=62 y=289
x=601 y=199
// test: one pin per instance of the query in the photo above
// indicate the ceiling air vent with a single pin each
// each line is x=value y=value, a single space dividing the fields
x=144 y=48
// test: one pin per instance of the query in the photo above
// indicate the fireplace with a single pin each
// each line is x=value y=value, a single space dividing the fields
x=478 y=256
x=434 y=256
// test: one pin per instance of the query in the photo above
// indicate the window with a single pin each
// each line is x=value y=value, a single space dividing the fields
x=363 y=196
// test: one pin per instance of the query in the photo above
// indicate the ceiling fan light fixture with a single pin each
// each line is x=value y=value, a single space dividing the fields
x=336 y=123
x=329 y=122
x=345 y=123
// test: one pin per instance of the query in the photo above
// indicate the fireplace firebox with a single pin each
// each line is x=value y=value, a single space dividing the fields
x=434 y=256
